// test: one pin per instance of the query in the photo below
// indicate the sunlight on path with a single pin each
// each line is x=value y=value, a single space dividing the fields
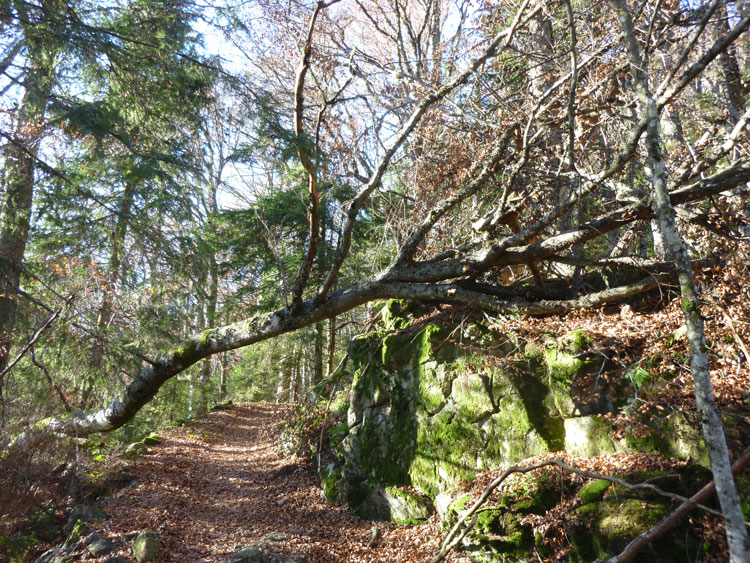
x=218 y=485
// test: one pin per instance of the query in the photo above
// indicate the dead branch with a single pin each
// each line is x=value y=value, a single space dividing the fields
x=639 y=543
x=47 y=323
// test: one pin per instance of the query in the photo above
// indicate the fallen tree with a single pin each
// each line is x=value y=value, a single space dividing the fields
x=430 y=280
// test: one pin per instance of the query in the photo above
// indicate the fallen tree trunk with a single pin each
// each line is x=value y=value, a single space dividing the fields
x=416 y=281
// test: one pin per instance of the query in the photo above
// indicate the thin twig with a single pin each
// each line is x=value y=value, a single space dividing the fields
x=51 y=319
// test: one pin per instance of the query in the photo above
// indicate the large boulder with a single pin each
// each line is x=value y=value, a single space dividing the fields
x=430 y=407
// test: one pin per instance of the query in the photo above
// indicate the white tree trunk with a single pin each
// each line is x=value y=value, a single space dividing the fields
x=676 y=250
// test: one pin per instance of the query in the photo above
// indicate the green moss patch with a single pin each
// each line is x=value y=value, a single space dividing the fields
x=594 y=491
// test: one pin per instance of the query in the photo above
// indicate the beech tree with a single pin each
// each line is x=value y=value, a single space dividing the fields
x=515 y=155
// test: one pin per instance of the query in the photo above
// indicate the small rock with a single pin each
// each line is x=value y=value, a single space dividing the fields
x=146 y=546
x=252 y=554
x=151 y=440
x=79 y=531
x=274 y=537
x=135 y=450
x=374 y=536
x=91 y=538
x=260 y=553
x=84 y=513
x=442 y=502
x=407 y=506
x=48 y=556
x=115 y=559
x=125 y=539
x=100 y=548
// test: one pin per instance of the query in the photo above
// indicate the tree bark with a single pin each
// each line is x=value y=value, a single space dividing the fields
x=285 y=376
x=18 y=187
x=317 y=375
x=713 y=431
x=331 y=345
x=104 y=316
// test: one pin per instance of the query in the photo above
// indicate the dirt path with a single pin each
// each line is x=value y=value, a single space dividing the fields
x=218 y=485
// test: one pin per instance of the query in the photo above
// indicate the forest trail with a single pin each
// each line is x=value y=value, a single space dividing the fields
x=220 y=484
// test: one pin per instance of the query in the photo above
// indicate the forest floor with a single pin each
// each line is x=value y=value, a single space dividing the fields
x=219 y=484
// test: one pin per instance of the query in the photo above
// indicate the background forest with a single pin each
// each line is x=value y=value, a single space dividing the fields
x=205 y=201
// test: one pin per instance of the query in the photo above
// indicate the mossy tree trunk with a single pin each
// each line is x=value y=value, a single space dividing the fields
x=713 y=431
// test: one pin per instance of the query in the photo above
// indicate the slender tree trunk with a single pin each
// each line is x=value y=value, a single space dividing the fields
x=113 y=272
x=210 y=319
x=331 y=346
x=297 y=375
x=436 y=50
x=198 y=380
x=317 y=374
x=104 y=317
x=222 y=378
x=713 y=431
x=285 y=376
x=204 y=384
x=731 y=74
x=17 y=191
x=211 y=294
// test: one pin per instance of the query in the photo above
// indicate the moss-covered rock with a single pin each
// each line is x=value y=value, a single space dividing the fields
x=497 y=536
x=674 y=435
x=151 y=440
x=407 y=507
x=590 y=436
x=222 y=406
x=84 y=513
x=445 y=452
x=393 y=314
x=135 y=450
x=100 y=547
x=393 y=503
x=330 y=475
x=564 y=361
x=594 y=491
x=426 y=412
x=146 y=547
x=79 y=531
x=612 y=524
x=612 y=516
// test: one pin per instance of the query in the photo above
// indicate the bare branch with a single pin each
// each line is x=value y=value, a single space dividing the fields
x=500 y=42
x=688 y=504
